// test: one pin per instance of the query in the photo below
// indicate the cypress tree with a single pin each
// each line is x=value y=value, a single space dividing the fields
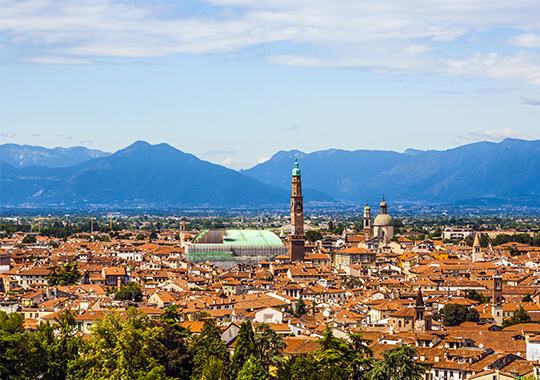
x=244 y=348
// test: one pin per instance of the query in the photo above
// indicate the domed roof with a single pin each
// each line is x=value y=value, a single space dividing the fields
x=367 y=209
x=383 y=220
x=296 y=170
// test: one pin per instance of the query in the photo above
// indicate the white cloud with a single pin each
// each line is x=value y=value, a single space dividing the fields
x=385 y=36
x=528 y=40
x=52 y=60
x=496 y=135
x=9 y=134
x=231 y=163
x=506 y=90
x=214 y=155
x=530 y=101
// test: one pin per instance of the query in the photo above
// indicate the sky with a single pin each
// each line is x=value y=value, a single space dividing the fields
x=235 y=81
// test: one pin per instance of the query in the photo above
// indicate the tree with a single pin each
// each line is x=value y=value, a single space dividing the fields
x=171 y=316
x=173 y=352
x=455 y=314
x=269 y=345
x=313 y=235
x=129 y=292
x=14 y=353
x=398 y=364
x=300 y=308
x=55 y=347
x=244 y=348
x=67 y=275
x=29 y=239
x=519 y=316
x=527 y=298
x=472 y=294
x=331 y=226
x=341 y=359
x=252 y=370
x=536 y=240
x=302 y=366
x=123 y=349
x=208 y=353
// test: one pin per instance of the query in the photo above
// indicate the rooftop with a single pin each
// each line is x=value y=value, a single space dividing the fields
x=247 y=238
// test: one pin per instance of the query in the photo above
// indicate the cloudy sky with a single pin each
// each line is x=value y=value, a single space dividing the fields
x=235 y=81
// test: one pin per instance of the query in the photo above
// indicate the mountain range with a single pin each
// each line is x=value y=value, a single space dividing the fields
x=144 y=175
x=21 y=156
x=507 y=170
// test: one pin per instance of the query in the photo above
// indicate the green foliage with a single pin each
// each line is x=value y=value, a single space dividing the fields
x=519 y=316
x=14 y=342
x=129 y=292
x=29 y=239
x=336 y=359
x=299 y=367
x=536 y=240
x=252 y=370
x=300 y=308
x=331 y=226
x=398 y=364
x=472 y=294
x=171 y=316
x=55 y=347
x=209 y=355
x=339 y=229
x=527 y=298
x=244 y=348
x=67 y=275
x=269 y=345
x=313 y=235
x=173 y=353
x=128 y=349
x=455 y=314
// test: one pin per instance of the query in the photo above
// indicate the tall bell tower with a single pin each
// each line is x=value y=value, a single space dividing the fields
x=367 y=222
x=296 y=239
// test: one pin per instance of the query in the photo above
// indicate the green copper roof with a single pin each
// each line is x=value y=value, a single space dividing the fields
x=252 y=238
x=296 y=170
x=367 y=209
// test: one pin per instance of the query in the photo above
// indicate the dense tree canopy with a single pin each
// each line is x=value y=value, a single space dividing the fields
x=472 y=294
x=398 y=364
x=129 y=292
x=69 y=274
x=313 y=235
x=519 y=316
x=131 y=346
x=454 y=314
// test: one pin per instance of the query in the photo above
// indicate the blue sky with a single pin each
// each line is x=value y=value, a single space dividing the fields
x=235 y=81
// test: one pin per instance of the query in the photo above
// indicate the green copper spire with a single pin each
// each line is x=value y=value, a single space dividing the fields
x=367 y=209
x=296 y=170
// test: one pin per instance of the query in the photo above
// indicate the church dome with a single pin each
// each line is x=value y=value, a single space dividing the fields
x=383 y=220
x=367 y=209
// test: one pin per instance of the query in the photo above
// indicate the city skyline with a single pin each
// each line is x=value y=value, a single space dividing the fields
x=234 y=82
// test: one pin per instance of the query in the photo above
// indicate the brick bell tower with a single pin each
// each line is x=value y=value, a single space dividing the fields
x=296 y=239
